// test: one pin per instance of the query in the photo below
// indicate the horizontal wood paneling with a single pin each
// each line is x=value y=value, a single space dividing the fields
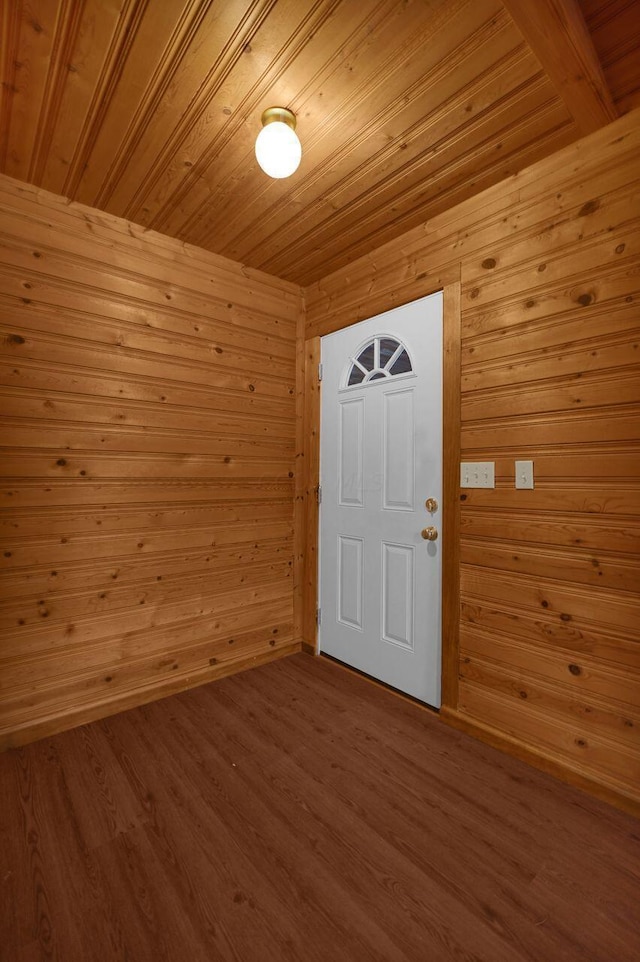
x=403 y=110
x=575 y=695
x=148 y=458
x=530 y=208
x=550 y=371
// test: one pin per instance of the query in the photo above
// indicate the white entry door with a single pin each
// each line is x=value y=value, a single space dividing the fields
x=381 y=460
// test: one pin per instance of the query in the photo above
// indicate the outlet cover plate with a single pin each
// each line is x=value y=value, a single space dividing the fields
x=477 y=474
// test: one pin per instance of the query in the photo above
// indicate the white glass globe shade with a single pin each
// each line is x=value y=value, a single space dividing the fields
x=278 y=149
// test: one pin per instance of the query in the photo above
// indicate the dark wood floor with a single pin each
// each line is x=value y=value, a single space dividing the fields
x=298 y=812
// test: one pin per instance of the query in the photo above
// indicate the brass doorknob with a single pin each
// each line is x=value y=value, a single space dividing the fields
x=430 y=533
x=431 y=504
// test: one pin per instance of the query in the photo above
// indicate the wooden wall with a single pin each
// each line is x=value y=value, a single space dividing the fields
x=149 y=429
x=549 y=641
x=147 y=467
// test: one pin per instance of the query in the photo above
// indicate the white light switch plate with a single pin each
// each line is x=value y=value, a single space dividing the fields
x=524 y=474
x=477 y=474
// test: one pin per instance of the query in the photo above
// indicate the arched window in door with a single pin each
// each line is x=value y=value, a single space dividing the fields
x=381 y=357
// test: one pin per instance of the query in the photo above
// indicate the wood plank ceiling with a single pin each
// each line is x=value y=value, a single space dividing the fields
x=149 y=109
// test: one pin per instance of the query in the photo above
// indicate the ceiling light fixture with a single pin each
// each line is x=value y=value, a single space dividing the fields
x=278 y=150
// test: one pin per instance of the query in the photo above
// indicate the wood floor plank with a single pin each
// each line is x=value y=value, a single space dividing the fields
x=300 y=812
x=222 y=777
x=92 y=772
x=488 y=837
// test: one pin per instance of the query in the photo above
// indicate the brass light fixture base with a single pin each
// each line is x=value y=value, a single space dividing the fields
x=282 y=114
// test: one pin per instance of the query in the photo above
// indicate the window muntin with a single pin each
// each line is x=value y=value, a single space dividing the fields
x=381 y=357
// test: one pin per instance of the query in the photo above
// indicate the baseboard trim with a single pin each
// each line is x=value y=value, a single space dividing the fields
x=309 y=649
x=37 y=729
x=541 y=761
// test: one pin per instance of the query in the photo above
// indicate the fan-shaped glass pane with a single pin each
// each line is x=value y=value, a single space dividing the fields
x=367 y=356
x=388 y=348
x=401 y=365
x=377 y=376
x=356 y=376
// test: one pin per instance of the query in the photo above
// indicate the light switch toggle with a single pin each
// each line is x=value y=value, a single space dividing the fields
x=524 y=474
x=477 y=474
